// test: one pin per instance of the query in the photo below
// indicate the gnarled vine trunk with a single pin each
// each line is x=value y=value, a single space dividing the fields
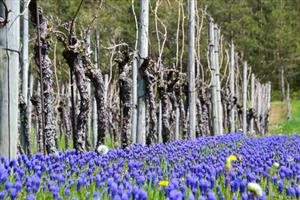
x=95 y=75
x=148 y=72
x=74 y=61
x=42 y=59
x=125 y=85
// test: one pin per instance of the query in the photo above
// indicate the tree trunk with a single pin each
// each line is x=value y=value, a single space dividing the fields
x=191 y=71
x=46 y=75
x=95 y=75
x=227 y=105
x=183 y=111
x=166 y=130
x=9 y=69
x=145 y=71
x=36 y=102
x=282 y=83
x=64 y=117
x=89 y=121
x=143 y=51
x=74 y=61
x=125 y=98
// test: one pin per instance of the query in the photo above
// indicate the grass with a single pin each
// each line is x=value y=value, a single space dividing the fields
x=284 y=126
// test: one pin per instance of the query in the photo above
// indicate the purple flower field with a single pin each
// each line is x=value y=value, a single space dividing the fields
x=225 y=167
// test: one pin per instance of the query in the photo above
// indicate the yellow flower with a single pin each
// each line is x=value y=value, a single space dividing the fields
x=229 y=160
x=232 y=158
x=163 y=183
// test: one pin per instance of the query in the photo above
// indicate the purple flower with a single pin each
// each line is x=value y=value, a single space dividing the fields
x=211 y=196
x=2 y=194
x=113 y=188
x=13 y=192
x=125 y=196
x=244 y=196
x=143 y=195
x=280 y=186
x=8 y=185
x=175 y=195
x=191 y=196
x=297 y=191
x=67 y=191
x=96 y=195
x=30 y=197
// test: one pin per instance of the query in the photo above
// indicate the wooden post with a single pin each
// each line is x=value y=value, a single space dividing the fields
x=232 y=88
x=217 y=79
x=9 y=70
x=215 y=116
x=191 y=71
x=177 y=122
x=89 y=89
x=134 y=100
x=259 y=91
x=94 y=103
x=282 y=83
x=245 y=97
x=288 y=101
x=160 y=123
x=29 y=105
x=143 y=51
x=24 y=78
x=263 y=108
x=25 y=44
x=252 y=97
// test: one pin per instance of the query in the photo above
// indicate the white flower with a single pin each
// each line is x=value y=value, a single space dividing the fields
x=276 y=164
x=255 y=189
x=102 y=149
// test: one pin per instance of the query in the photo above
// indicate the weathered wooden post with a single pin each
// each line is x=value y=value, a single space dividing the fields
x=252 y=97
x=134 y=80
x=191 y=71
x=259 y=91
x=215 y=120
x=29 y=105
x=217 y=79
x=143 y=52
x=288 y=101
x=282 y=83
x=9 y=70
x=24 y=78
x=134 y=100
x=94 y=103
x=232 y=88
x=25 y=59
x=245 y=97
